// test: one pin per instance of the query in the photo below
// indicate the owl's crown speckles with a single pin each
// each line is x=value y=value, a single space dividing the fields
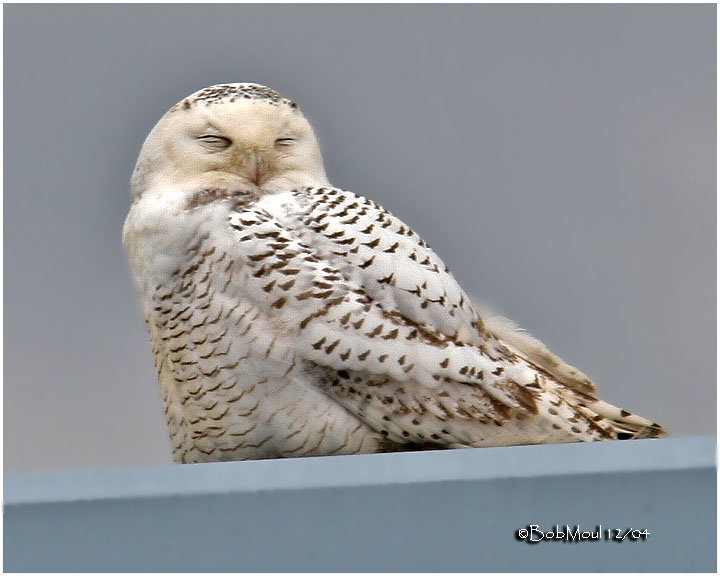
x=221 y=93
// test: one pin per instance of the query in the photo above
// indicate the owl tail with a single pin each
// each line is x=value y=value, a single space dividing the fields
x=625 y=425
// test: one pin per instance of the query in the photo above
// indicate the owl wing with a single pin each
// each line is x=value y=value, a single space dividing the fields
x=401 y=272
x=388 y=368
x=395 y=266
x=340 y=326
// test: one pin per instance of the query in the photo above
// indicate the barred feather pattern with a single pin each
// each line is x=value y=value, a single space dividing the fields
x=314 y=322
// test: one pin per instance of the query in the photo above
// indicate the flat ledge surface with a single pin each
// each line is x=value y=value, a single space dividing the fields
x=361 y=470
x=455 y=510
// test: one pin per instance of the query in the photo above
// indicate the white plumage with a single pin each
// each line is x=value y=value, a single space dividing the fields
x=292 y=318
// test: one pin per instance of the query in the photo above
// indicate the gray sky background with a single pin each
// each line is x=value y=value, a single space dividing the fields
x=561 y=159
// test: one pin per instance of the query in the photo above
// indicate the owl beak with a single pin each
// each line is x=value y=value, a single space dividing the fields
x=257 y=170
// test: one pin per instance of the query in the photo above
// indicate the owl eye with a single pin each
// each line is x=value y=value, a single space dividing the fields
x=284 y=141
x=216 y=142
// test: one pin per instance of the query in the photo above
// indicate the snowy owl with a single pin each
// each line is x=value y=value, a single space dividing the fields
x=292 y=318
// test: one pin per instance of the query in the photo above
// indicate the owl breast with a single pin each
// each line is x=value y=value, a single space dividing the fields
x=231 y=384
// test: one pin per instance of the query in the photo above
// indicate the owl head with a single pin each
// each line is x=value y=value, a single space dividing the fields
x=245 y=136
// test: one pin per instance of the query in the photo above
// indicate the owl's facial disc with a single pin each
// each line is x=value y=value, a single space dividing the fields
x=241 y=136
x=251 y=144
x=254 y=142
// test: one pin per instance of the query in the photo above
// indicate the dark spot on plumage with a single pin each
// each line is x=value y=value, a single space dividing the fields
x=323 y=295
x=391 y=335
x=343 y=374
x=264 y=235
x=258 y=257
x=210 y=195
x=305 y=295
x=625 y=413
x=376 y=331
x=332 y=346
x=624 y=436
x=534 y=384
x=372 y=243
x=367 y=262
